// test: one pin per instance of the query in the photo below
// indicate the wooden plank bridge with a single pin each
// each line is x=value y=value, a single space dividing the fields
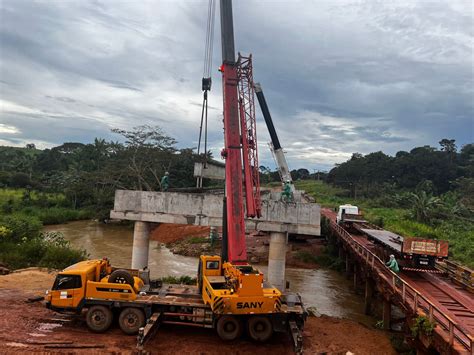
x=448 y=302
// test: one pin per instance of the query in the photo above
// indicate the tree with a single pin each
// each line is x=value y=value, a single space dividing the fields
x=149 y=153
x=423 y=206
x=448 y=145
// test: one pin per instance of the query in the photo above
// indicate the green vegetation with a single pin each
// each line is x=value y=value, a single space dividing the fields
x=422 y=325
x=426 y=192
x=22 y=244
x=327 y=258
x=86 y=175
x=399 y=216
x=325 y=194
x=49 y=208
x=198 y=240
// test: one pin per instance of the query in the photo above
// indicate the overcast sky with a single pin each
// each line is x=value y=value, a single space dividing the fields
x=339 y=76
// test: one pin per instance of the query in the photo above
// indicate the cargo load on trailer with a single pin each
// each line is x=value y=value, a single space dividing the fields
x=418 y=254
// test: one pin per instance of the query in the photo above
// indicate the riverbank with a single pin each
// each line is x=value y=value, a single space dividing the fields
x=194 y=241
x=26 y=325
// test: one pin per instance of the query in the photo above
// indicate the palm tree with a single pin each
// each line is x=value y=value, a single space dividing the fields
x=423 y=205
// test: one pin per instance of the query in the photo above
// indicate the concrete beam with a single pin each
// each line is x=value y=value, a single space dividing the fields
x=211 y=170
x=206 y=209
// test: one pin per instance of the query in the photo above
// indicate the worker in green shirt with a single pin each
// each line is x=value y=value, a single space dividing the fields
x=392 y=264
x=286 y=194
x=165 y=182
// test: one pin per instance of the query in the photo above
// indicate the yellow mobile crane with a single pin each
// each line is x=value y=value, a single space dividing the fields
x=230 y=294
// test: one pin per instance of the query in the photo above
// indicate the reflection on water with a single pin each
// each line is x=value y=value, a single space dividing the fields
x=330 y=292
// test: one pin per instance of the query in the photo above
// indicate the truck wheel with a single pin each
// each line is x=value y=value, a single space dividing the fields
x=260 y=328
x=99 y=318
x=121 y=276
x=131 y=319
x=229 y=328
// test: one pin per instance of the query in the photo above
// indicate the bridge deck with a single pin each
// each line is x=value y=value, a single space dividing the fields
x=205 y=209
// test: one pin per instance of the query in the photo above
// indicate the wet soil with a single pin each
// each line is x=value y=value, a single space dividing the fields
x=193 y=241
x=26 y=327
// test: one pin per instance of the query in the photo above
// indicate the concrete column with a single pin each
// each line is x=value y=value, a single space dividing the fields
x=141 y=244
x=387 y=314
x=277 y=260
x=369 y=291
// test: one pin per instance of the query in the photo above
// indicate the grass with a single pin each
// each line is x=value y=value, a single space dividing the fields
x=198 y=240
x=17 y=196
x=49 y=208
x=58 y=215
x=325 y=194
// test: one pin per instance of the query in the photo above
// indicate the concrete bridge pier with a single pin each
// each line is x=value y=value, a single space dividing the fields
x=141 y=245
x=277 y=260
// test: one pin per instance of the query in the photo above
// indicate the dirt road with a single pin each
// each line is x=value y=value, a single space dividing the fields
x=27 y=327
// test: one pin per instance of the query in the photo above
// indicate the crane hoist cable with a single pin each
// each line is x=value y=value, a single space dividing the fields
x=206 y=77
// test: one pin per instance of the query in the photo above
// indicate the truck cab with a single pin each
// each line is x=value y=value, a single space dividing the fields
x=348 y=213
x=69 y=287
x=88 y=280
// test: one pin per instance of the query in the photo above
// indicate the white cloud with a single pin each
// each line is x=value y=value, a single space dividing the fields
x=5 y=129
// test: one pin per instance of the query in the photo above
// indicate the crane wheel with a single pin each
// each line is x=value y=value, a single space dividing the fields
x=259 y=328
x=121 y=276
x=229 y=328
x=99 y=318
x=131 y=319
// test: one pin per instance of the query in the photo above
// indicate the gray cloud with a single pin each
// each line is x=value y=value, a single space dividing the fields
x=339 y=76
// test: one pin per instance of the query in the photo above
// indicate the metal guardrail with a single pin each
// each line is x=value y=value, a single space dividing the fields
x=410 y=296
x=458 y=273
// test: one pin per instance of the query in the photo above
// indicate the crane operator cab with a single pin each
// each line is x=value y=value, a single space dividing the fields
x=235 y=288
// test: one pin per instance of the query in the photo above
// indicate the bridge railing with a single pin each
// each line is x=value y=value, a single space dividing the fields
x=410 y=296
x=458 y=273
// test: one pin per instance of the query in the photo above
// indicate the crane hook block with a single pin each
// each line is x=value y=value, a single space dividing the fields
x=206 y=84
x=224 y=153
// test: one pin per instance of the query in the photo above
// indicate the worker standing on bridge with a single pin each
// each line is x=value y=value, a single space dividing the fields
x=392 y=264
x=287 y=195
x=165 y=182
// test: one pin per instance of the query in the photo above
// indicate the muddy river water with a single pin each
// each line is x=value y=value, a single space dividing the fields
x=327 y=290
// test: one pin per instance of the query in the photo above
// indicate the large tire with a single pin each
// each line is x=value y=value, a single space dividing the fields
x=131 y=319
x=260 y=328
x=99 y=318
x=121 y=276
x=229 y=328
